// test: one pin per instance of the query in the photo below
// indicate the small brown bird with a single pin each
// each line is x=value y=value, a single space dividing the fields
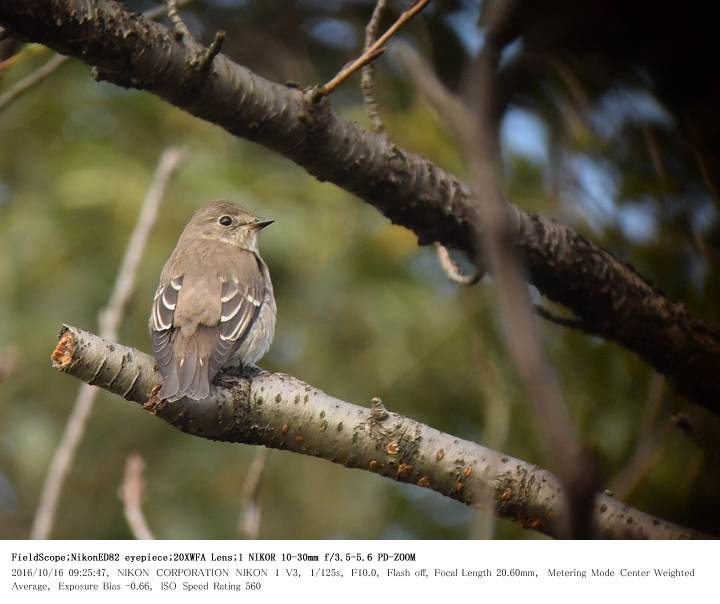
x=214 y=306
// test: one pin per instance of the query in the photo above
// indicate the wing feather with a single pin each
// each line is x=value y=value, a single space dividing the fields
x=164 y=304
x=241 y=301
x=162 y=315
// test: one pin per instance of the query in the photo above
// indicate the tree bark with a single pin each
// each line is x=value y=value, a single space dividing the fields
x=609 y=298
x=282 y=412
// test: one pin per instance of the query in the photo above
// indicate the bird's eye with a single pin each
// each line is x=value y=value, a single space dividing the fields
x=225 y=220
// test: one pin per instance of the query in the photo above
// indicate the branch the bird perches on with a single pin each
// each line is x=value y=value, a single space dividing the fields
x=282 y=412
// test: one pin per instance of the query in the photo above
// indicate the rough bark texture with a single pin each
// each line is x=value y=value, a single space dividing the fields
x=282 y=412
x=609 y=297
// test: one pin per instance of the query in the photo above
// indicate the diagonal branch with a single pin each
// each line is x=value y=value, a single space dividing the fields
x=131 y=494
x=32 y=79
x=109 y=320
x=599 y=289
x=250 y=515
x=476 y=128
x=282 y=412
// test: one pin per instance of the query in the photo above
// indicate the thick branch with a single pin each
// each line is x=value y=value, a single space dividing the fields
x=282 y=412
x=603 y=292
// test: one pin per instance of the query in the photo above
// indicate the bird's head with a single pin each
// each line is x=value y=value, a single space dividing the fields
x=227 y=222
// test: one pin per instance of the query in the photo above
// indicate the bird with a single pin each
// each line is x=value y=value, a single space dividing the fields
x=214 y=306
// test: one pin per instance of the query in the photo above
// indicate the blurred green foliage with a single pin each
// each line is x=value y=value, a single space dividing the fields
x=363 y=311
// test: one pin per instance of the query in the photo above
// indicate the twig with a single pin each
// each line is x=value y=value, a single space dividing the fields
x=251 y=513
x=452 y=269
x=367 y=83
x=32 y=79
x=305 y=420
x=131 y=494
x=203 y=58
x=40 y=74
x=570 y=322
x=181 y=30
x=206 y=57
x=109 y=320
x=111 y=315
x=375 y=50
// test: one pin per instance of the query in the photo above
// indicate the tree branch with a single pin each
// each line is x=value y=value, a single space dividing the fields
x=282 y=412
x=367 y=81
x=475 y=127
x=109 y=319
x=602 y=291
x=249 y=524
x=131 y=494
x=478 y=127
x=32 y=79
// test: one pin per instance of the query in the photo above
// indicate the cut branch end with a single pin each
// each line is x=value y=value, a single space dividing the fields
x=64 y=352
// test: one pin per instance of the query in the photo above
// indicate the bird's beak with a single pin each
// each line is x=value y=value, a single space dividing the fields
x=261 y=223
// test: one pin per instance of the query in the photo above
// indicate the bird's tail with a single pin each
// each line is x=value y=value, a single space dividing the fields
x=187 y=373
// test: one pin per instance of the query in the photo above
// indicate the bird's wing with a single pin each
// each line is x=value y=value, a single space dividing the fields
x=189 y=360
x=161 y=321
x=242 y=294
